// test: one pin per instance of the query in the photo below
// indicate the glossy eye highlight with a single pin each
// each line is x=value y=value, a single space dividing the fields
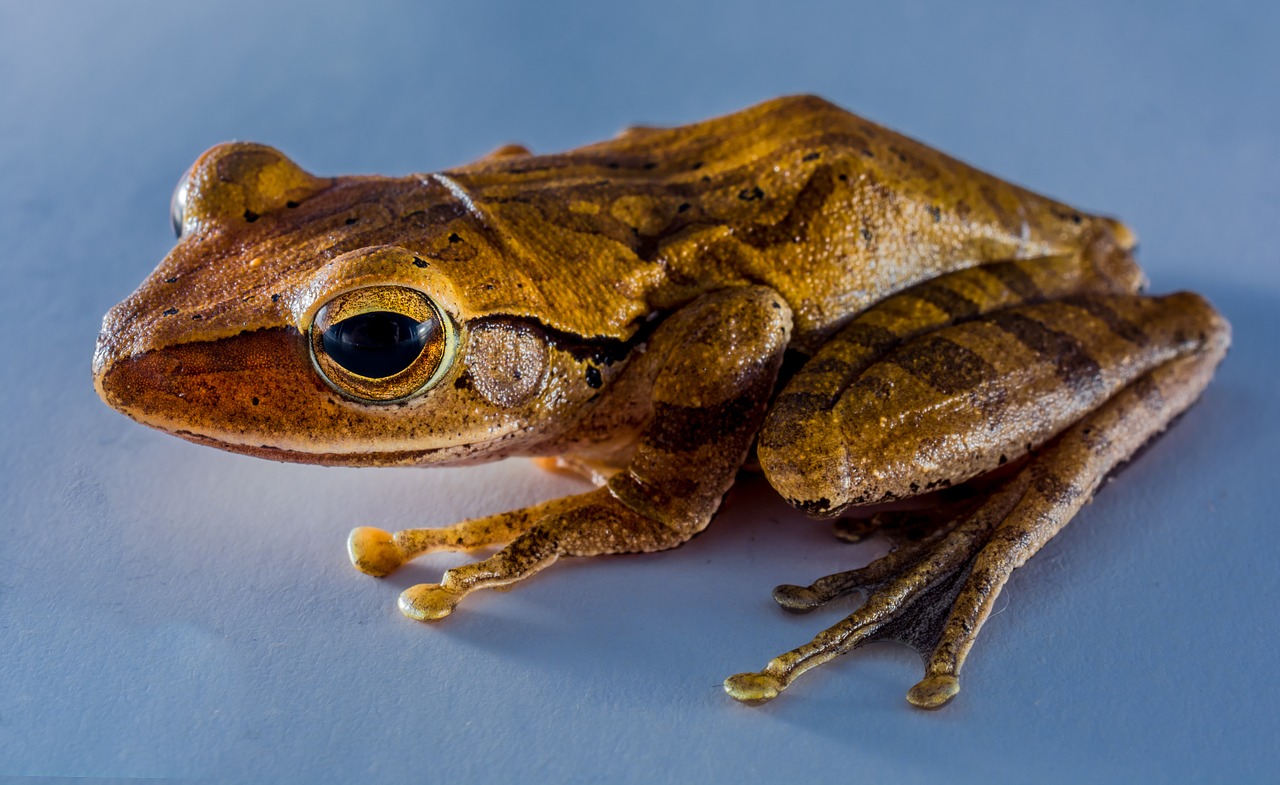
x=381 y=344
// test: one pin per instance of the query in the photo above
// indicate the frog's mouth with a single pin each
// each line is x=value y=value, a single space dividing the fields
x=258 y=394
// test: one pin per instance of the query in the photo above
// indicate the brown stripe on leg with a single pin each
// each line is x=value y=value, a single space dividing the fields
x=1063 y=477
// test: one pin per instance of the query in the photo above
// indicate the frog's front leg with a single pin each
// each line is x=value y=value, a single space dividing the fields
x=1081 y=383
x=714 y=365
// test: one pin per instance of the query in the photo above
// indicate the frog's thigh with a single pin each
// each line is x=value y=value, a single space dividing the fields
x=720 y=359
x=937 y=594
x=802 y=442
x=943 y=407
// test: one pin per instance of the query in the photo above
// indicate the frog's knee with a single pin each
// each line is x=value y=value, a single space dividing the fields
x=802 y=453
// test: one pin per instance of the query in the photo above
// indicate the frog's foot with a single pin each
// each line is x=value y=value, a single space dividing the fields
x=935 y=593
x=909 y=591
x=588 y=524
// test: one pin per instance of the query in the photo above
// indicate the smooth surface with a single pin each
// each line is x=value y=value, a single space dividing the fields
x=171 y=612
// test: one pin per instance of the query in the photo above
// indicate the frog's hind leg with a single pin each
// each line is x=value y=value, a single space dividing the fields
x=1147 y=359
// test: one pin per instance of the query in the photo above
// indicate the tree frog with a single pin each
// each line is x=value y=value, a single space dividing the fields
x=861 y=317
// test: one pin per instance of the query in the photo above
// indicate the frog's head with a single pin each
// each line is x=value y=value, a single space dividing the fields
x=351 y=320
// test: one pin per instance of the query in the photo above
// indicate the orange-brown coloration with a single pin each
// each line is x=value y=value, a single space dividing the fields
x=623 y=309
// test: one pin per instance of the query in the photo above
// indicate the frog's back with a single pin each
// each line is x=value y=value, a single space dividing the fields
x=833 y=211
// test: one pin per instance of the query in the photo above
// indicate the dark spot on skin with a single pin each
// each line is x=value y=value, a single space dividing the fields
x=1117 y=324
x=684 y=206
x=171 y=280
x=613 y=165
x=812 y=157
x=914 y=487
x=1003 y=459
x=751 y=194
x=250 y=216
x=1015 y=279
x=789 y=418
x=1072 y=364
x=417 y=262
x=696 y=165
x=196 y=317
x=461 y=383
x=1149 y=393
x=1075 y=218
x=706 y=179
x=844 y=178
x=594 y=380
x=817 y=507
x=871 y=385
x=488 y=287
x=866 y=234
x=255 y=400
x=171 y=312
x=350 y=221
x=877 y=339
x=944 y=365
x=275 y=298
x=677 y=428
x=794 y=226
x=291 y=204
x=828 y=365
x=1051 y=487
x=867 y=152
x=454 y=238
x=650 y=165
x=935 y=211
x=956 y=306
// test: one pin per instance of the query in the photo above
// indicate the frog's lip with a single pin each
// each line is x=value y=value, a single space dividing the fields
x=443 y=456
x=258 y=394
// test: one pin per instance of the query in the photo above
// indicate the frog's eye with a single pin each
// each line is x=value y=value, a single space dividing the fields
x=381 y=344
x=178 y=206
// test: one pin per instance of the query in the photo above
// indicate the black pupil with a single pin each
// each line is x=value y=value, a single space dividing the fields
x=378 y=344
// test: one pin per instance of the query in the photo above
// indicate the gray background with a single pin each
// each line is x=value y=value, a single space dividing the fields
x=170 y=611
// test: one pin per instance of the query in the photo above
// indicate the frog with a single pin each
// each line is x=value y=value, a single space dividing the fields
x=790 y=290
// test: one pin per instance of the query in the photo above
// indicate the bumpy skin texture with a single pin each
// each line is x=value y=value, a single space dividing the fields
x=878 y=319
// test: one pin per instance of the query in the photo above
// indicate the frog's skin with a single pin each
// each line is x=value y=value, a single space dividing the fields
x=878 y=320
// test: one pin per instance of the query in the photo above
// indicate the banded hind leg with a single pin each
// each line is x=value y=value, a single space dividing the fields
x=1081 y=381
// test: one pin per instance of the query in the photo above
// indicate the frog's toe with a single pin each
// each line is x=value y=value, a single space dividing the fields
x=753 y=687
x=373 y=551
x=934 y=692
x=797 y=599
x=428 y=602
